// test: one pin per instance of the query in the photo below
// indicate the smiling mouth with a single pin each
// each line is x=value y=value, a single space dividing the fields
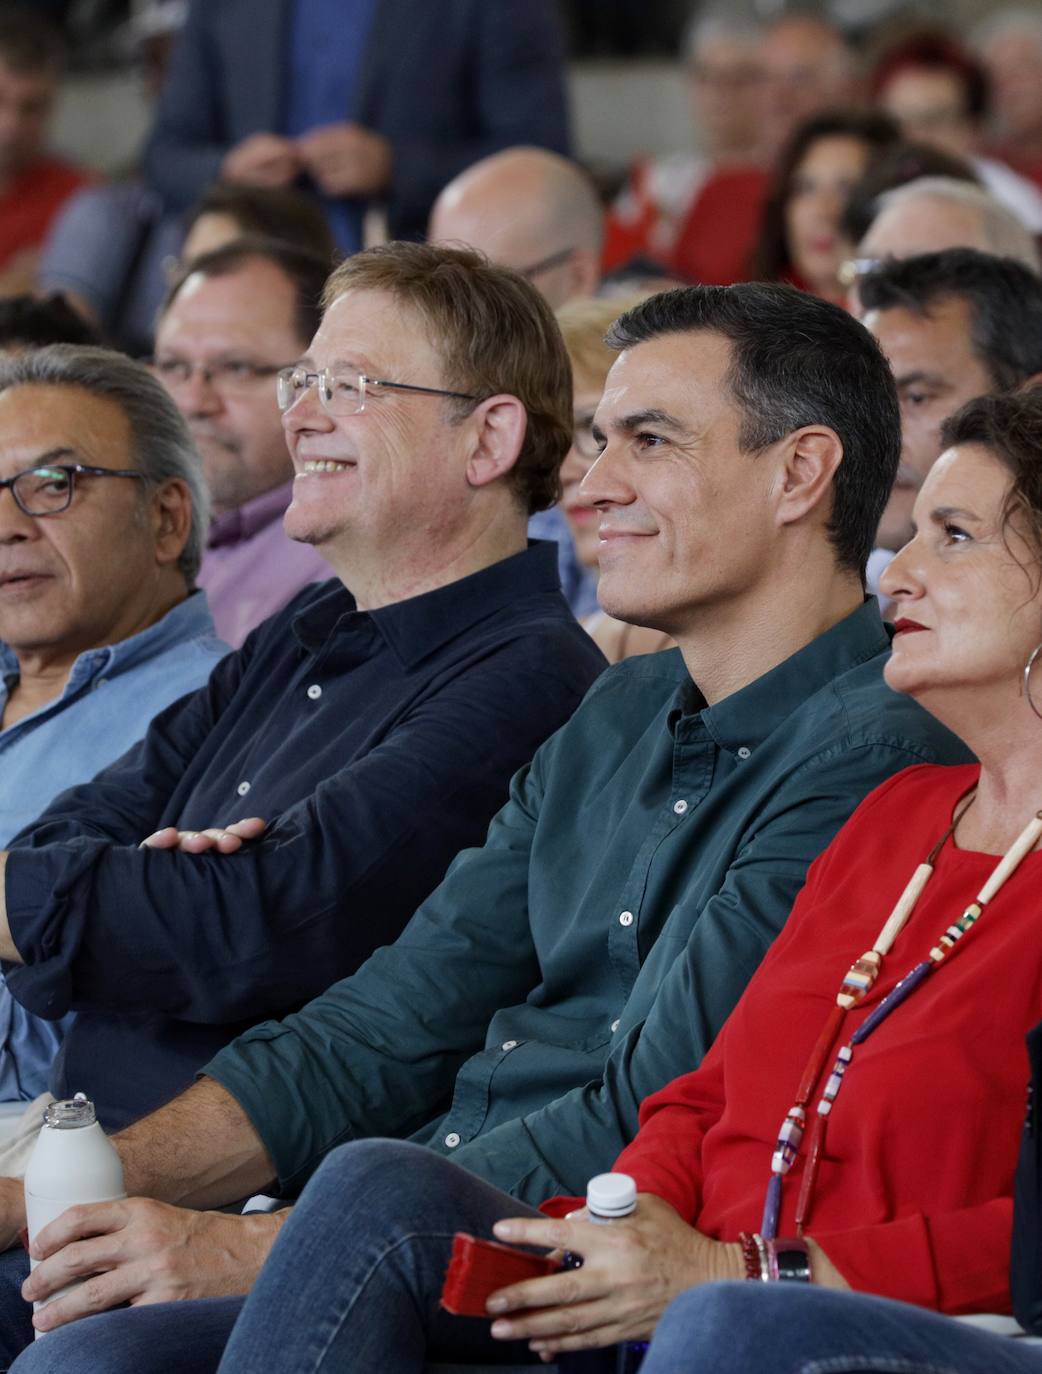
x=315 y=465
x=20 y=579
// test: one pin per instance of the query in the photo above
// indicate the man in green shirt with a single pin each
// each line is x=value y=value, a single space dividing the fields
x=592 y=948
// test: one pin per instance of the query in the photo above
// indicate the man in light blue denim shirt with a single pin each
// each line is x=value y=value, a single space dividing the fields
x=103 y=519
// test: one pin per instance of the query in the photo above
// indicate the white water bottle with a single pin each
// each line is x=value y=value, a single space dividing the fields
x=73 y=1161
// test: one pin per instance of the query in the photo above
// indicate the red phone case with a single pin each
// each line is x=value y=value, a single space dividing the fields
x=479 y=1267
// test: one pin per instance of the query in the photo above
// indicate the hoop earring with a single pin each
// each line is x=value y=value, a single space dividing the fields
x=1027 y=680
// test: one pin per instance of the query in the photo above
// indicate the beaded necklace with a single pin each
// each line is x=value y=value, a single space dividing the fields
x=854 y=988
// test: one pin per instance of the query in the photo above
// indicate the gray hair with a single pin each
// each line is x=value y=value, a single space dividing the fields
x=709 y=25
x=1006 y=235
x=1015 y=20
x=161 y=445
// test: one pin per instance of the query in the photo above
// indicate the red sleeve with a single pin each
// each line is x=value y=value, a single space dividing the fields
x=952 y=1261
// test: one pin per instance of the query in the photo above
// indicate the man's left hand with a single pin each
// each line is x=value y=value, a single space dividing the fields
x=139 y=1251
x=347 y=160
x=631 y=1271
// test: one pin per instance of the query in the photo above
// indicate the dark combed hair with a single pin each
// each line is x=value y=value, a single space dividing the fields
x=772 y=260
x=1003 y=296
x=34 y=322
x=307 y=271
x=1009 y=426
x=28 y=42
x=795 y=361
x=899 y=165
x=270 y=212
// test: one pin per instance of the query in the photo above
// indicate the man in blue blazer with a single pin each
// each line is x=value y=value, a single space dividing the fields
x=363 y=101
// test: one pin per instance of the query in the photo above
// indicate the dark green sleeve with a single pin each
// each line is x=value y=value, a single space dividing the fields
x=378 y=1053
x=677 y=1008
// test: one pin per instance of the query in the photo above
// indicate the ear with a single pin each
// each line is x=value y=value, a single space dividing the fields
x=498 y=427
x=171 y=517
x=809 y=459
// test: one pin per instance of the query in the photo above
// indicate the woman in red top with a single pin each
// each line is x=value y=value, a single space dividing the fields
x=909 y=1193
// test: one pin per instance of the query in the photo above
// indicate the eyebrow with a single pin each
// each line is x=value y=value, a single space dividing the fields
x=910 y=378
x=941 y=513
x=53 y=455
x=627 y=424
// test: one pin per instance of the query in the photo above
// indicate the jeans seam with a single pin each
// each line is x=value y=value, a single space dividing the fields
x=359 y=1291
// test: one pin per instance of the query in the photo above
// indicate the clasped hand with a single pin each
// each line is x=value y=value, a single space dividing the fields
x=631 y=1271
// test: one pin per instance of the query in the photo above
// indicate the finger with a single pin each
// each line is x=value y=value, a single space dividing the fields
x=167 y=838
x=576 y=1326
x=75 y=1261
x=76 y=1223
x=544 y=1231
x=98 y=1293
x=585 y=1321
x=248 y=828
x=556 y=1290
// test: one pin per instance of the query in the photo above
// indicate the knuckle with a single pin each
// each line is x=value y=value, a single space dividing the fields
x=92 y=1292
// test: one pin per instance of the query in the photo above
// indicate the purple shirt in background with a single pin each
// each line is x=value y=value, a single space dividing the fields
x=251 y=569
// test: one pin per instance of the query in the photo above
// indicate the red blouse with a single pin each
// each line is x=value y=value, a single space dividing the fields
x=913 y=1196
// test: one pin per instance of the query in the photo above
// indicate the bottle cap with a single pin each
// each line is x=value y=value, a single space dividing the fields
x=70 y=1114
x=611 y=1195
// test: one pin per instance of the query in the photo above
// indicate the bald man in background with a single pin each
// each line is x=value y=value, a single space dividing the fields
x=528 y=209
x=807 y=66
x=537 y=212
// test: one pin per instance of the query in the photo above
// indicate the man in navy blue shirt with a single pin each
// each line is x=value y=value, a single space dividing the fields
x=374 y=729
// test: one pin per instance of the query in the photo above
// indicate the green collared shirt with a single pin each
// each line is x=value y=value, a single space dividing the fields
x=592 y=948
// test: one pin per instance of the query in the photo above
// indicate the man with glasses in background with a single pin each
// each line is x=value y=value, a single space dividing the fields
x=230 y=320
x=374 y=724
x=103 y=516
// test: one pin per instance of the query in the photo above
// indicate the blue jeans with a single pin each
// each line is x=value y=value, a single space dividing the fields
x=352 y=1282
x=747 y=1328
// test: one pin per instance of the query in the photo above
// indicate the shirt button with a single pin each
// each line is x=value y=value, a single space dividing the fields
x=452 y=1140
x=243 y=788
x=626 y=918
x=102 y=682
x=614 y=1027
x=510 y=1044
x=680 y=807
x=744 y=752
x=314 y=691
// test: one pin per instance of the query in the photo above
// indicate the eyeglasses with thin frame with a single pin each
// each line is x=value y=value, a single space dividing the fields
x=49 y=489
x=230 y=376
x=345 y=393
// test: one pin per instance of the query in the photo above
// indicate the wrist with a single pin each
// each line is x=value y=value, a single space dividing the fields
x=727 y=1261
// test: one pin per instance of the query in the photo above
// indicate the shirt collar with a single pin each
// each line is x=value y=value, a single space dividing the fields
x=749 y=716
x=420 y=625
x=236 y=526
x=189 y=619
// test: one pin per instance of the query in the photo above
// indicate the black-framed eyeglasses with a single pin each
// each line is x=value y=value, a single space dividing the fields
x=345 y=393
x=547 y=264
x=229 y=376
x=49 y=489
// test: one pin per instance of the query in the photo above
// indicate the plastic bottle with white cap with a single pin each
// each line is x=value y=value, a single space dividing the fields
x=73 y=1161
x=609 y=1197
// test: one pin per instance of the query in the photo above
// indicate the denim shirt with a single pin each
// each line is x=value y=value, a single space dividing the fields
x=591 y=950
x=110 y=697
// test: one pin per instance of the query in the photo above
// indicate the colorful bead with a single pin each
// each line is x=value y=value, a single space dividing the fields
x=858 y=980
x=790 y=1138
x=835 y=1080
